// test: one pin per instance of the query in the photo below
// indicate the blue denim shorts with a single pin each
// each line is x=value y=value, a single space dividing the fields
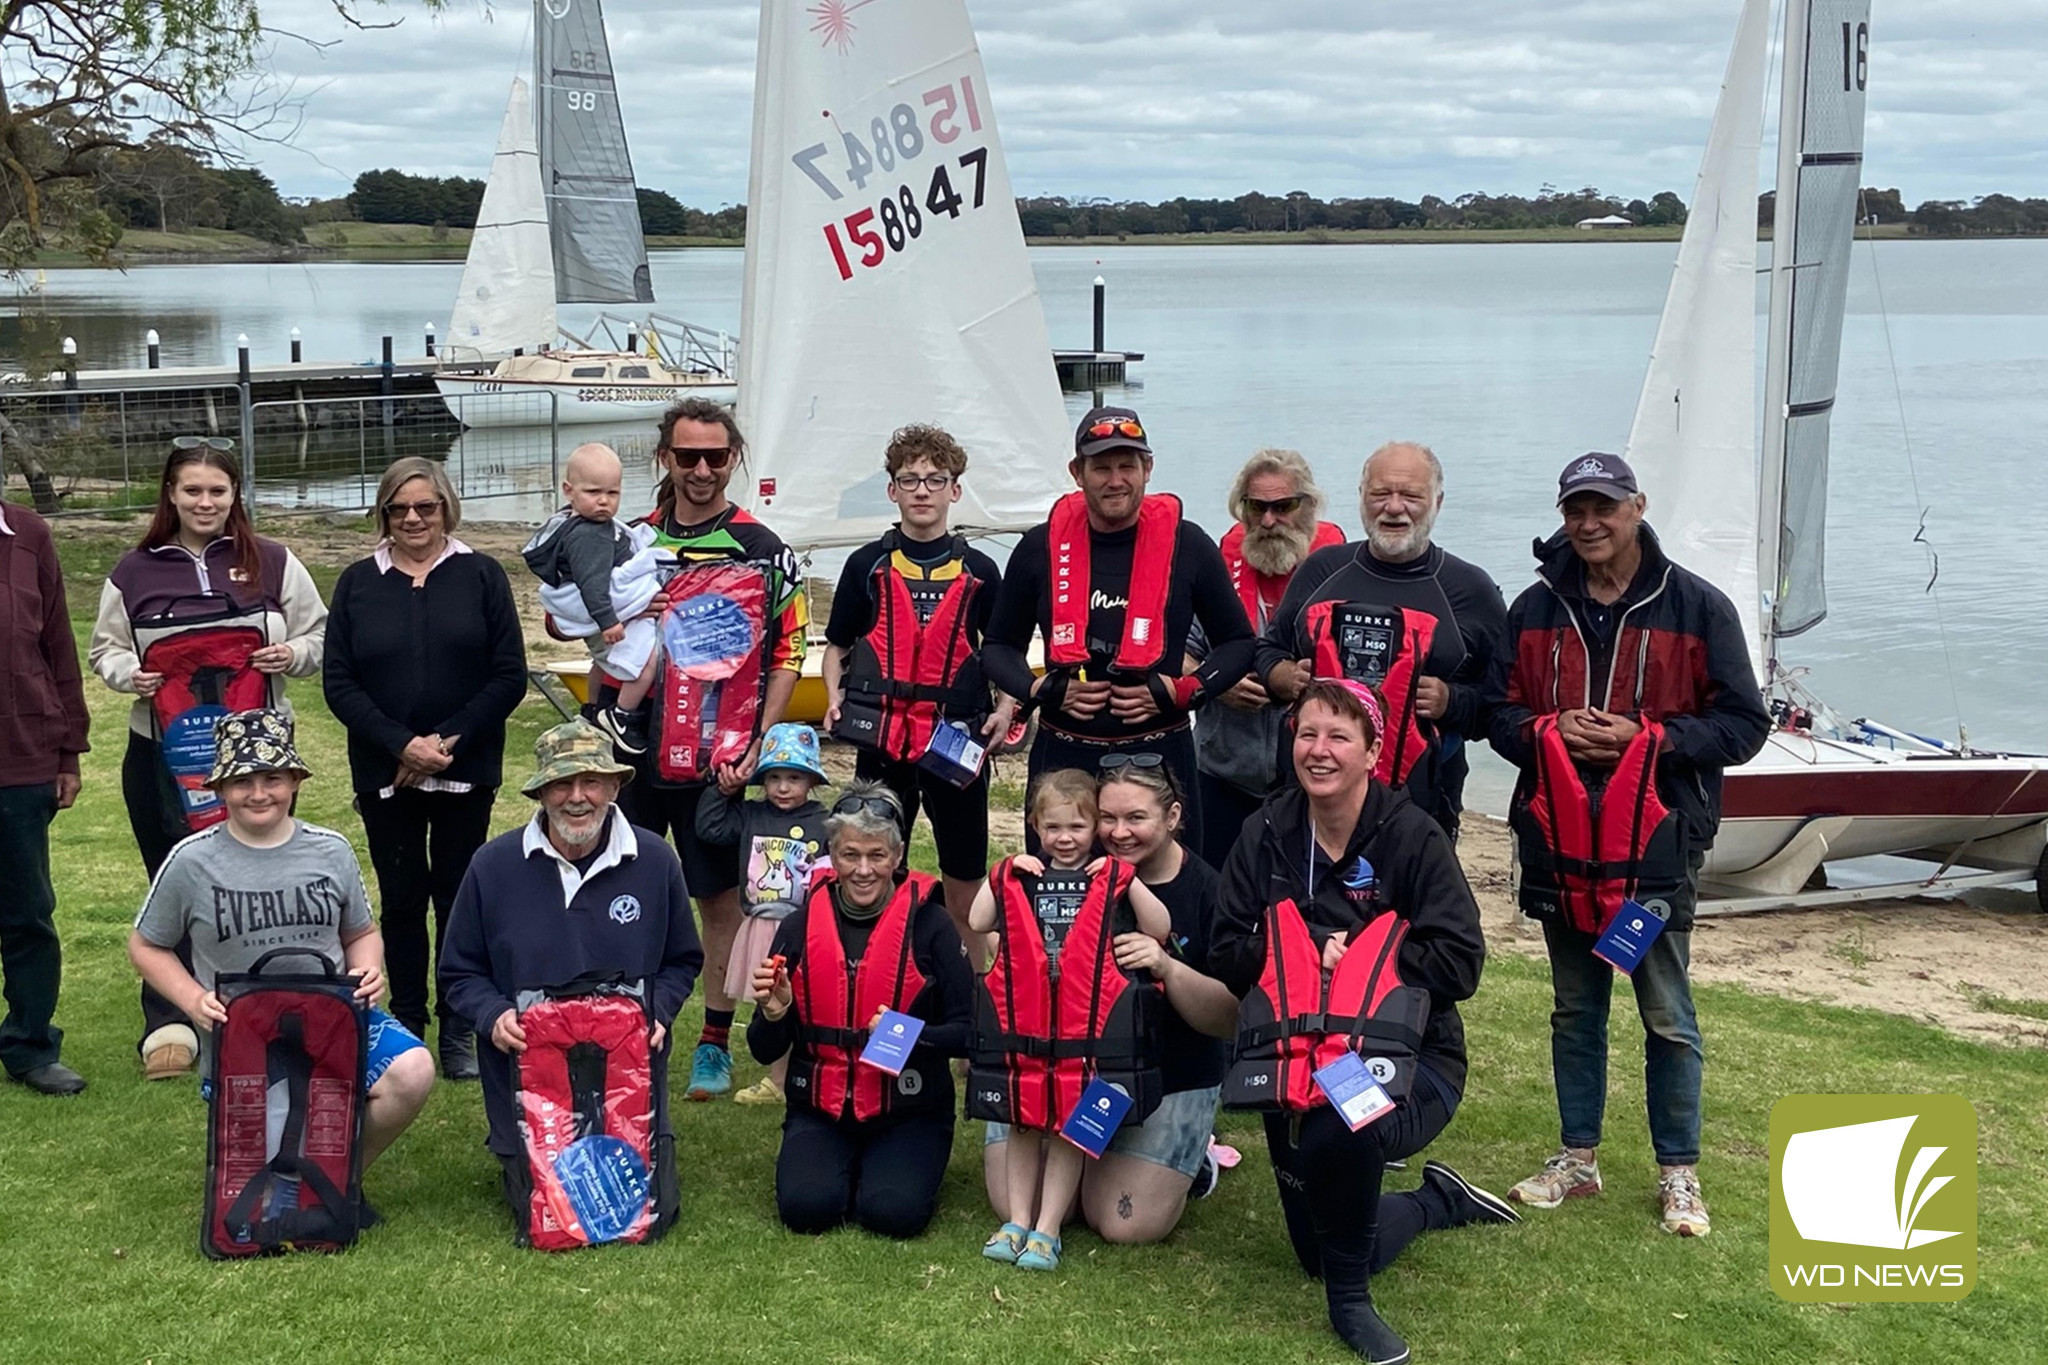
x=389 y=1040
x=1176 y=1135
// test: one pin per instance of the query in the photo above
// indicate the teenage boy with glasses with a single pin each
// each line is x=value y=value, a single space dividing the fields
x=903 y=656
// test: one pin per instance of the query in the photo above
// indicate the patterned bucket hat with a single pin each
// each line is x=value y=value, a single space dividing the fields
x=569 y=750
x=793 y=746
x=250 y=742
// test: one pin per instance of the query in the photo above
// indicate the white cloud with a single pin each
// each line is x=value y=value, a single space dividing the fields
x=1148 y=99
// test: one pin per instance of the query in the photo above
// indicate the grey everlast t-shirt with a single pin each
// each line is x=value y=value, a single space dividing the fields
x=239 y=902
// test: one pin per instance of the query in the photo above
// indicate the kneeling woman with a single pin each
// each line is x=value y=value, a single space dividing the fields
x=1345 y=905
x=857 y=1143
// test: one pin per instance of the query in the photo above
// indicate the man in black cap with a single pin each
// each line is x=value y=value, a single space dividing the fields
x=1624 y=691
x=1112 y=581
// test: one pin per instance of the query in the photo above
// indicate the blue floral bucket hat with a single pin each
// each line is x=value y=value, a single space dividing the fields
x=792 y=746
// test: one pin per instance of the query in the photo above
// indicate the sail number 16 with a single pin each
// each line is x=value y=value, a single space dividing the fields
x=902 y=218
x=1855 y=56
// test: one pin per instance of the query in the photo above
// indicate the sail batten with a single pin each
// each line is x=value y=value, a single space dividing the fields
x=600 y=254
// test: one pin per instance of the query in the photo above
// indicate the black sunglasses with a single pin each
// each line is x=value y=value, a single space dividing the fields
x=714 y=457
x=1111 y=762
x=398 y=511
x=1279 y=507
x=873 y=805
x=195 y=442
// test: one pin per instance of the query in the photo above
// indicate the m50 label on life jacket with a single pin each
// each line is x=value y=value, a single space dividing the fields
x=1366 y=641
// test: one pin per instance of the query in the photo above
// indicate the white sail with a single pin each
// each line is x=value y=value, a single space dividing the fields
x=507 y=296
x=586 y=170
x=1693 y=442
x=886 y=278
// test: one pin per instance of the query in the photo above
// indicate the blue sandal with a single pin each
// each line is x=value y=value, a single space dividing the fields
x=1006 y=1244
x=1040 y=1253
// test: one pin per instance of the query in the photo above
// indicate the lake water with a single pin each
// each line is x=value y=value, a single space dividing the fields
x=1506 y=359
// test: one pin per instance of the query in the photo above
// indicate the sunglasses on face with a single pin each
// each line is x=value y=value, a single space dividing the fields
x=425 y=511
x=932 y=483
x=873 y=805
x=1116 y=426
x=1279 y=507
x=195 y=442
x=1109 y=763
x=713 y=457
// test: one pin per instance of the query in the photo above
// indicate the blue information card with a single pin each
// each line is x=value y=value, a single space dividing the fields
x=1629 y=937
x=1352 y=1092
x=607 y=1185
x=890 y=1041
x=1096 y=1117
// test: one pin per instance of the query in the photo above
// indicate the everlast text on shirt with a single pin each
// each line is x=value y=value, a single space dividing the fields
x=236 y=913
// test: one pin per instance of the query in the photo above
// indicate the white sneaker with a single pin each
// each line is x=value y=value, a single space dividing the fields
x=1685 y=1212
x=1563 y=1177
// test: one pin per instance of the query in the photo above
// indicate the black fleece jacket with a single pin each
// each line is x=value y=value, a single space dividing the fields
x=1417 y=877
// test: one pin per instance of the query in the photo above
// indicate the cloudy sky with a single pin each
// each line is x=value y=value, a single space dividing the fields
x=1148 y=99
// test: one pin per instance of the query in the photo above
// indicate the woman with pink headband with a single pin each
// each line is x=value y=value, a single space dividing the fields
x=1346 y=930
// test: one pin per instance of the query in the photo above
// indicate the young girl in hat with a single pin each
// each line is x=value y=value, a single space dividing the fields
x=780 y=843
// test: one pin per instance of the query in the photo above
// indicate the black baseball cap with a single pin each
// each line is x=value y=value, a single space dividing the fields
x=1596 y=472
x=1105 y=429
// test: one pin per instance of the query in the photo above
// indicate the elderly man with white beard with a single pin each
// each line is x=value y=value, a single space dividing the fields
x=1277 y=510
x=1401 y=614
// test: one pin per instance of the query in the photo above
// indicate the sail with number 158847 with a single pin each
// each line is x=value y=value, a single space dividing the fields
x=887 y=280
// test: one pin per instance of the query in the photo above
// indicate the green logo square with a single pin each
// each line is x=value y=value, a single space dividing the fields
x=1873 y=1198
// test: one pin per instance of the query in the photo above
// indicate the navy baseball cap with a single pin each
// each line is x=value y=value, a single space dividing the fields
x=1595 y=472
x=1105 y=429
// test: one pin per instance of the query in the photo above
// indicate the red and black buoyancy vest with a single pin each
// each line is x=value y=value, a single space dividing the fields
x=1244 y=577
x=595 y=1170
x=284 y=1135
x=1042 y=1031
x=834 y=1002
x=717 y=622
x=1591 y=847
x=1143 y=646
x=201 y=644
x=906 y=676
x=1386 y=648
x=1300 y=1018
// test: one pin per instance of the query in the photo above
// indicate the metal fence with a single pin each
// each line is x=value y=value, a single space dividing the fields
x=92 y=450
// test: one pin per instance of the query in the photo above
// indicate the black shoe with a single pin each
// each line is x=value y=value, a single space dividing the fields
x=1469 y=1203
x=52 y=1078
x=626 y=736
x=1358 y=1323
x=458 y=1054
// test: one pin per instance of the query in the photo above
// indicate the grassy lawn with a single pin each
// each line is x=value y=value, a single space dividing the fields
x=99 y=1203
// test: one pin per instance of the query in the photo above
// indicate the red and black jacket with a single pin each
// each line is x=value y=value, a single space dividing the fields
x=1042 y=1030
x=910 y=675
x=912 y=962
x=1674 y=657
x=1414 y=874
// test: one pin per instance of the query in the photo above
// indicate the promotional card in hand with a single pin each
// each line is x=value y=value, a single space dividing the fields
x=1095 y=1119
x=954 y=754
x=1353 y=1093
x=890 y=1041
x=1628 y=937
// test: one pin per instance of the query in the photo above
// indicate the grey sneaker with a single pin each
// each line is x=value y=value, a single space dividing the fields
x=1563 y=1177
x=1685 y=1212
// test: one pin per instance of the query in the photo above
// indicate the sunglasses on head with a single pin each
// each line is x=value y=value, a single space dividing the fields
x=1279 y=507
x=713 y=457
x=1116 y=426
x=195 y=442
x=873 y=805
x=1109 y=763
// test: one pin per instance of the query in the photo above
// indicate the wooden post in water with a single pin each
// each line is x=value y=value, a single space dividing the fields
x=386 y=382
x=430 y=341
x=296 y=356
x=70 y=364
x=156 y=350
x=248 y=424
x=1100 y=290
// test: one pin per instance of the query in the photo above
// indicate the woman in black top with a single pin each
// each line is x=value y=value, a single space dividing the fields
x=858 y=1144
x=1344 y=849
x=425 y=661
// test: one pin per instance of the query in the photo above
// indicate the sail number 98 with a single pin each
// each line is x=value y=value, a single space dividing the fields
x=901 y=217
x=1855 y=55
x=894 y=139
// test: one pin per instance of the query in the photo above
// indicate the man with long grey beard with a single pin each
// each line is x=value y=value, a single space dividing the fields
x=1277 y=509
x=1401 y=614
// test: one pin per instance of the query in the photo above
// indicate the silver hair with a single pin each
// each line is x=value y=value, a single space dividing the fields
x=402 y=472
x=1276 y=461
x=1436 y=467
x=851 y=814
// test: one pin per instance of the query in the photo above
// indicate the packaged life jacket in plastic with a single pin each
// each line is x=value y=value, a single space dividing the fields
x=1055 y=1010
x=201 y=644
x=1298 y=1018
x=717 y=620
x=284 y=1137
x=595 y=1169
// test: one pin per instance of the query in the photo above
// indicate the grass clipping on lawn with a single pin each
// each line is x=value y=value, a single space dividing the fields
x=99 y=1200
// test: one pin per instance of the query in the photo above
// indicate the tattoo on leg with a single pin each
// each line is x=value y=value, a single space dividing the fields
x=1123 y=1206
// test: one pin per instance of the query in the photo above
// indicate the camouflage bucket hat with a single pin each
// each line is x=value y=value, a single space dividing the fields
x=572 y=749
x=249 y=742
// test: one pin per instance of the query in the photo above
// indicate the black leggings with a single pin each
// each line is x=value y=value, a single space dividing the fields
x=1329 y=1178
x=420 y=845
x=882 y=1175
x=142 y=791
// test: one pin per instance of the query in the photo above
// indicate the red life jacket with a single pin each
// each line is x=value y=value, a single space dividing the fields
x=201 y=644
x=1143 y=647
x=1300 y=1018
x=716 y=622
x=1041 y=1031
x=283 y=1149
x=1246 y=579
x=1592 y=847
x=834 y=1004
x=588 y=1073
x=1386 y=648
x=905 y=677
